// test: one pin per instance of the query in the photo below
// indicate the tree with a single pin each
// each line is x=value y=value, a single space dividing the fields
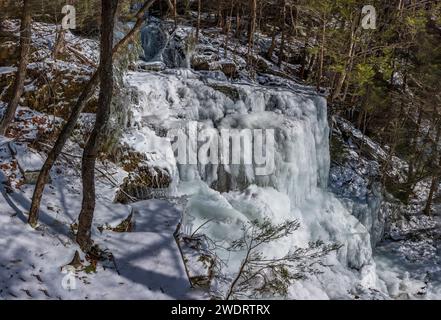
x=252 y=25
x=282 y=27
x=258 y=274
x=108 y=10
x=69 y=126
x=198 y=24
x=20 y=76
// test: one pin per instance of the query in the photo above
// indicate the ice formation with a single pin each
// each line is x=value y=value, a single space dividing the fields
x=228 y=196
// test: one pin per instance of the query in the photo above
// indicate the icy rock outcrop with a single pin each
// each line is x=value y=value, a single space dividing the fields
x=356 y=178
x=172 y=49
x=363 y=198
x=229 y=195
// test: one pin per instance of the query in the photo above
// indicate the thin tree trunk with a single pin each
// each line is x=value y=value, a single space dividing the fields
x=432 y=191
x=75 y=114
x=282 y=41
x=435 y=179
x=94 y=143
x=198 y=27
x=220 y=18
x=413 y=148
x=273 y=44
x=322 y=54
x=20 y=76
x=227 y=35
x=238 y=21
x=252 y=25
x=59 y=43
x=175 y=13
x=347 y=64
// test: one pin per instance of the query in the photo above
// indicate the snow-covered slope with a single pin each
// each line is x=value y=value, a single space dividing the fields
x=147 y=262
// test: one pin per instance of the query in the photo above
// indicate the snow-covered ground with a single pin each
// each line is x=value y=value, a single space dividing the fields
x=147 y=263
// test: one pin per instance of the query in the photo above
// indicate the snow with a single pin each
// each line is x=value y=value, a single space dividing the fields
x=6 y=70
x=32 y=260
x=28 y=161
x=410 y=270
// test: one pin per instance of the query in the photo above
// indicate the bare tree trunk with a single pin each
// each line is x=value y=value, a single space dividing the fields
x=252 y=25
x=220 y=15
x=227 y=35
x=282 y=41
x=94 y=143
x=432 y=191
x=75 y=114
x=435 y=179
x=348 y=63
x=59 y=43
x=322 y=53
x=20 y=76
x=273 y=44
x=175 y=13
x=238 y=21
x=198 y=27
x=413 y=148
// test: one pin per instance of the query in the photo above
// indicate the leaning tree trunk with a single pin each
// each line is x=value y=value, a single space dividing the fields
x=68 y=128
x=20 y=76
x=94 y=143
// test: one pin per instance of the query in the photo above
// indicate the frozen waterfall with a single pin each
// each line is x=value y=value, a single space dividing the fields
x=229 y=195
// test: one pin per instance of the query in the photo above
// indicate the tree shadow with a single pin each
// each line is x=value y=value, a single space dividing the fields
x=15 y=200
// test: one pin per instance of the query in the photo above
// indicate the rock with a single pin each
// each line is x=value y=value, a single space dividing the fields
x=229 y=69
x=174 y=50
x=143 y=182
x=154 y=39
x=199 y=262
x=75 y=263
x=211 y=63
x=150 y=66
x=127 y=225
x=200 y=62
x=228 y=90
x=29 y=162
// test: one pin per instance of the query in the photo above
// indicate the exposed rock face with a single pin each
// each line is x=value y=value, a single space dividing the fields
x=173 y=49
x=144 y=181
x=154 y=40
